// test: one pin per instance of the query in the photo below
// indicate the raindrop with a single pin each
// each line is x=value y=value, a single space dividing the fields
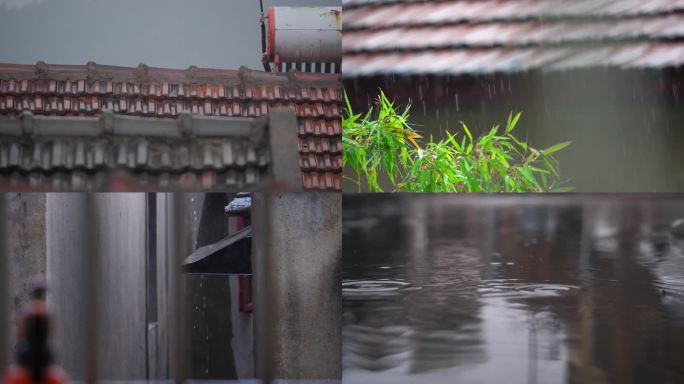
x=424 y=109
x=456 y=99
x=420 y=92
x=675 y=93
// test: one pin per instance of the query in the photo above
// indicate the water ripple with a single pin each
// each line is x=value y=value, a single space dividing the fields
x=373 y=287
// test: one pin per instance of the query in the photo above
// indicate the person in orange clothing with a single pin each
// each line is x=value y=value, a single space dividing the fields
x=34 y=360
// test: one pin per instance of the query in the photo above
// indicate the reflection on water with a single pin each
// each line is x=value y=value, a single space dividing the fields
x=517 y=289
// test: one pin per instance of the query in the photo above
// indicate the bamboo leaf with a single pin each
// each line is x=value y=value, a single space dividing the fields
x=512 y=122
x=467 y=131
x=555 y=148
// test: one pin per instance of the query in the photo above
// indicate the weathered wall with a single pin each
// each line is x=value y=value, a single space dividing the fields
x=26 y=248
x=296 y=260
x=121 y=321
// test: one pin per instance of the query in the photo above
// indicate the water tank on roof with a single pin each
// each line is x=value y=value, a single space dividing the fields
x=305 y=38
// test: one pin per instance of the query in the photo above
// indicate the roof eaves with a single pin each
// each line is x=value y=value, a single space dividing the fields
x=108 y=123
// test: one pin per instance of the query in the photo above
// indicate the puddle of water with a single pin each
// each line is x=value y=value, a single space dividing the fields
x=480 y=290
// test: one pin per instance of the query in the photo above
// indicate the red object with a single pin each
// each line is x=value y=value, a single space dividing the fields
x=246 y=304
x=271 y=34
x=19 y=375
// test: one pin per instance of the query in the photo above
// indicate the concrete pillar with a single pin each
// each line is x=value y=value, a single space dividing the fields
x=4 y=312
x=67 y=274
x=296 y=259
x=283 y=141
x=98 y=241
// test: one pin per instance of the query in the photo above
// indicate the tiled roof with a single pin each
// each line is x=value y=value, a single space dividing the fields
x=59 y=152
x=453 y=37
x=154 y=94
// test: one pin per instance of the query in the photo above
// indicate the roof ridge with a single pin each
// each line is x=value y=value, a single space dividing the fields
x=146 y=74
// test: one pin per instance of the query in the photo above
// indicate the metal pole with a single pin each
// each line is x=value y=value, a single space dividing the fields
x=4 y=286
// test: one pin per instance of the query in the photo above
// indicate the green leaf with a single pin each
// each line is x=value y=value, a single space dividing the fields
x=453 y=142
x=512 y=122
x=377 y=143
x=555 y=148
x=527 y=174
x=467 y=131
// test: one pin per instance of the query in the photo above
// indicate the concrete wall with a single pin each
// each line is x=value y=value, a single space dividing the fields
x=121 y=290
x=296 y=259
x=26 y=249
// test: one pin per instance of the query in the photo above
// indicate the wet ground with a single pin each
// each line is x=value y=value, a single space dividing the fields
x=523 y=289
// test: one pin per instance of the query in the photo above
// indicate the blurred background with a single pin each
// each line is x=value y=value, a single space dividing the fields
x=606 y=75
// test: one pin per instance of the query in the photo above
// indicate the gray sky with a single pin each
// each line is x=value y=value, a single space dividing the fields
x=159 y=33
